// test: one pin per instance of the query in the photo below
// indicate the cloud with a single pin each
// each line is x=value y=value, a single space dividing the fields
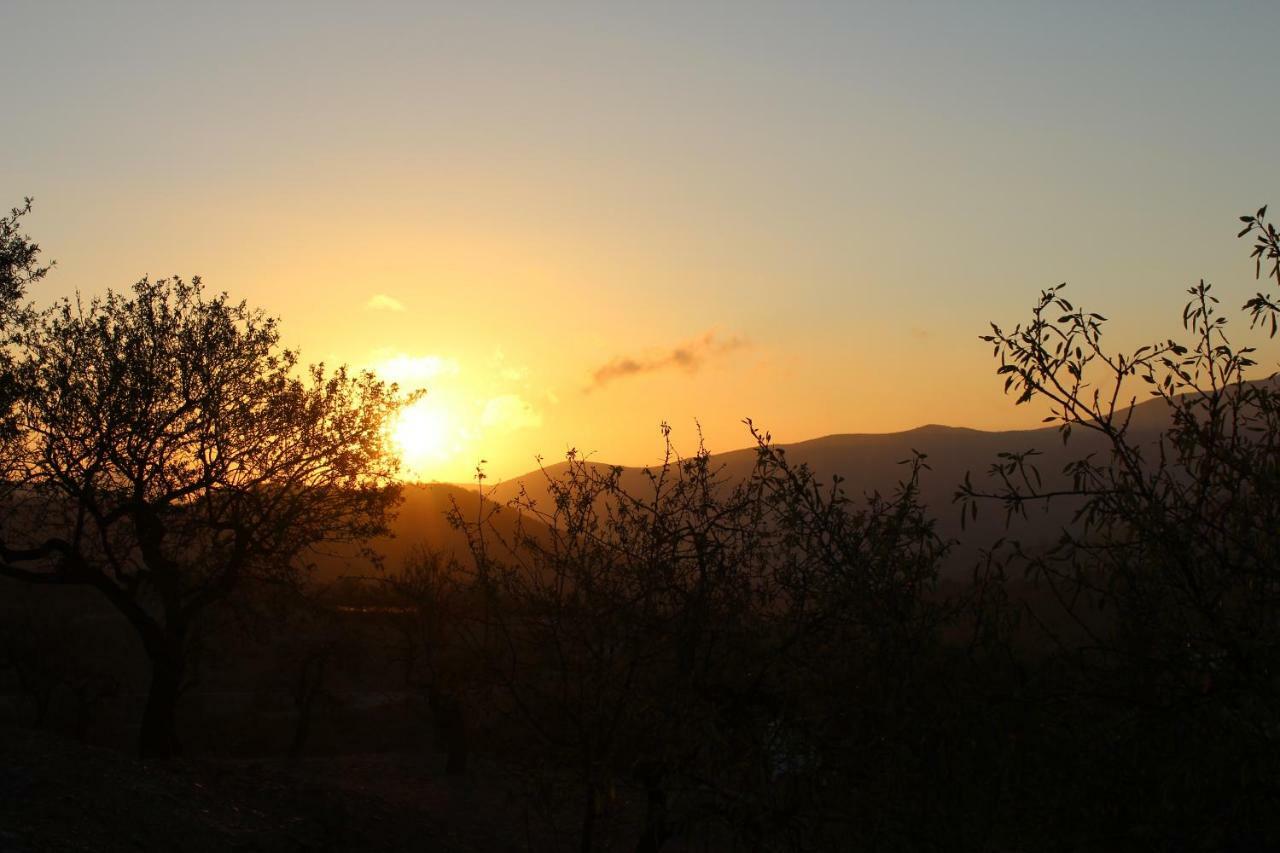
x=409 y=370
x=508 y=413
x=689 y=356
x=383 y=302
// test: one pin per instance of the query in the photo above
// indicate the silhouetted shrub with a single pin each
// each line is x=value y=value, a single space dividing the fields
x=743 y=654
x=1157 y=712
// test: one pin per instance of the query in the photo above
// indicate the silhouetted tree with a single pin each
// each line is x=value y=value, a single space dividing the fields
x=736 y=650
x=171 y=451
x=56 y=659
x=317 y=645
x=1170 y=573
x=426 y=609
x=19 y=262
x=19 y=269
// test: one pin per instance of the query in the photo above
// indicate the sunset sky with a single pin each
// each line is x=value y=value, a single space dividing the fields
x=571 y=222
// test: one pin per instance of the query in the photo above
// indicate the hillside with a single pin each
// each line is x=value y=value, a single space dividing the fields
x=871 y=462
x=422 y=520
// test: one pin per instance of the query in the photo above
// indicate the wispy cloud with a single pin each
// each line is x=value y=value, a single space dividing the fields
x=383 y=302
x=689 y=356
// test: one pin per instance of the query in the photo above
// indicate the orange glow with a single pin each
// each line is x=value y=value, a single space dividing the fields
x=424 y=437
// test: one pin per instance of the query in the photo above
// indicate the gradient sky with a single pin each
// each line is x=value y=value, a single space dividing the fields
x=574 y=221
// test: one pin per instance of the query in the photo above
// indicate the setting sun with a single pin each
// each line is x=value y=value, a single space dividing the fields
x=423 y=435
x=639 y=426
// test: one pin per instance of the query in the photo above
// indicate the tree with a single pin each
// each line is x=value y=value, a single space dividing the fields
x=425 y=607
x=739 y=650
x=19 y=261
x=19 y=269
x=1171 y=569
x=171 y=452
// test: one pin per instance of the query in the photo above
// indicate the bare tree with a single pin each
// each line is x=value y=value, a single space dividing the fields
x=171 y=450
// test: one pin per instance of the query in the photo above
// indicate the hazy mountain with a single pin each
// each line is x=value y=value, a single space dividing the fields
x=422 y=520
x=867 y=463
x=871 y=462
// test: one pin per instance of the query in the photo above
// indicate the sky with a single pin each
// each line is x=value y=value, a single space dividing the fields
x=573 y=222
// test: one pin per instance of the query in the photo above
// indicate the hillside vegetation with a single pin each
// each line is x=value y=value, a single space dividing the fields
x=1055 y=639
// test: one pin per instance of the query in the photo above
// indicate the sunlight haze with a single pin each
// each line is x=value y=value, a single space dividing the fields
x=570 y=223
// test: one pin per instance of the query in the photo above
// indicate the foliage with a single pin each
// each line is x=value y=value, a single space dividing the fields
x=733 y=650
x=1170 y=575
x=19 y=260
x=170 y=452
x=675 y=656
x=19 y=269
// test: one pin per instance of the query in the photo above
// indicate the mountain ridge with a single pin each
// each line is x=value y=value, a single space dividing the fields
x=866 y=462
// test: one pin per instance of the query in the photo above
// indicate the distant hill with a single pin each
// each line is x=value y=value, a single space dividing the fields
x=867 y=462
x=870 y=462
x=422 y=520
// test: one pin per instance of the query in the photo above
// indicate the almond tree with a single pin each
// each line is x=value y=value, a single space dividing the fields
x=172 y=450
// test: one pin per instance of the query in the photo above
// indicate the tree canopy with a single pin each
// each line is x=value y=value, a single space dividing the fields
x=171 y=450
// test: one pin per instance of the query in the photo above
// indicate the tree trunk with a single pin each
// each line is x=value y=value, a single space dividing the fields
x=158 y=737
x=451 y=727
x=587 y=843
x=655 y=833
x=310 y=685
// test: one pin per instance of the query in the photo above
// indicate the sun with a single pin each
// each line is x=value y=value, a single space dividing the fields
x=423 y=435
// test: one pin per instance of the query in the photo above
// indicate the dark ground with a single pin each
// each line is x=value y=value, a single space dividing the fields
x=58 y=795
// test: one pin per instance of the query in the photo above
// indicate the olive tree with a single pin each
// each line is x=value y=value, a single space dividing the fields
x=172 y=450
